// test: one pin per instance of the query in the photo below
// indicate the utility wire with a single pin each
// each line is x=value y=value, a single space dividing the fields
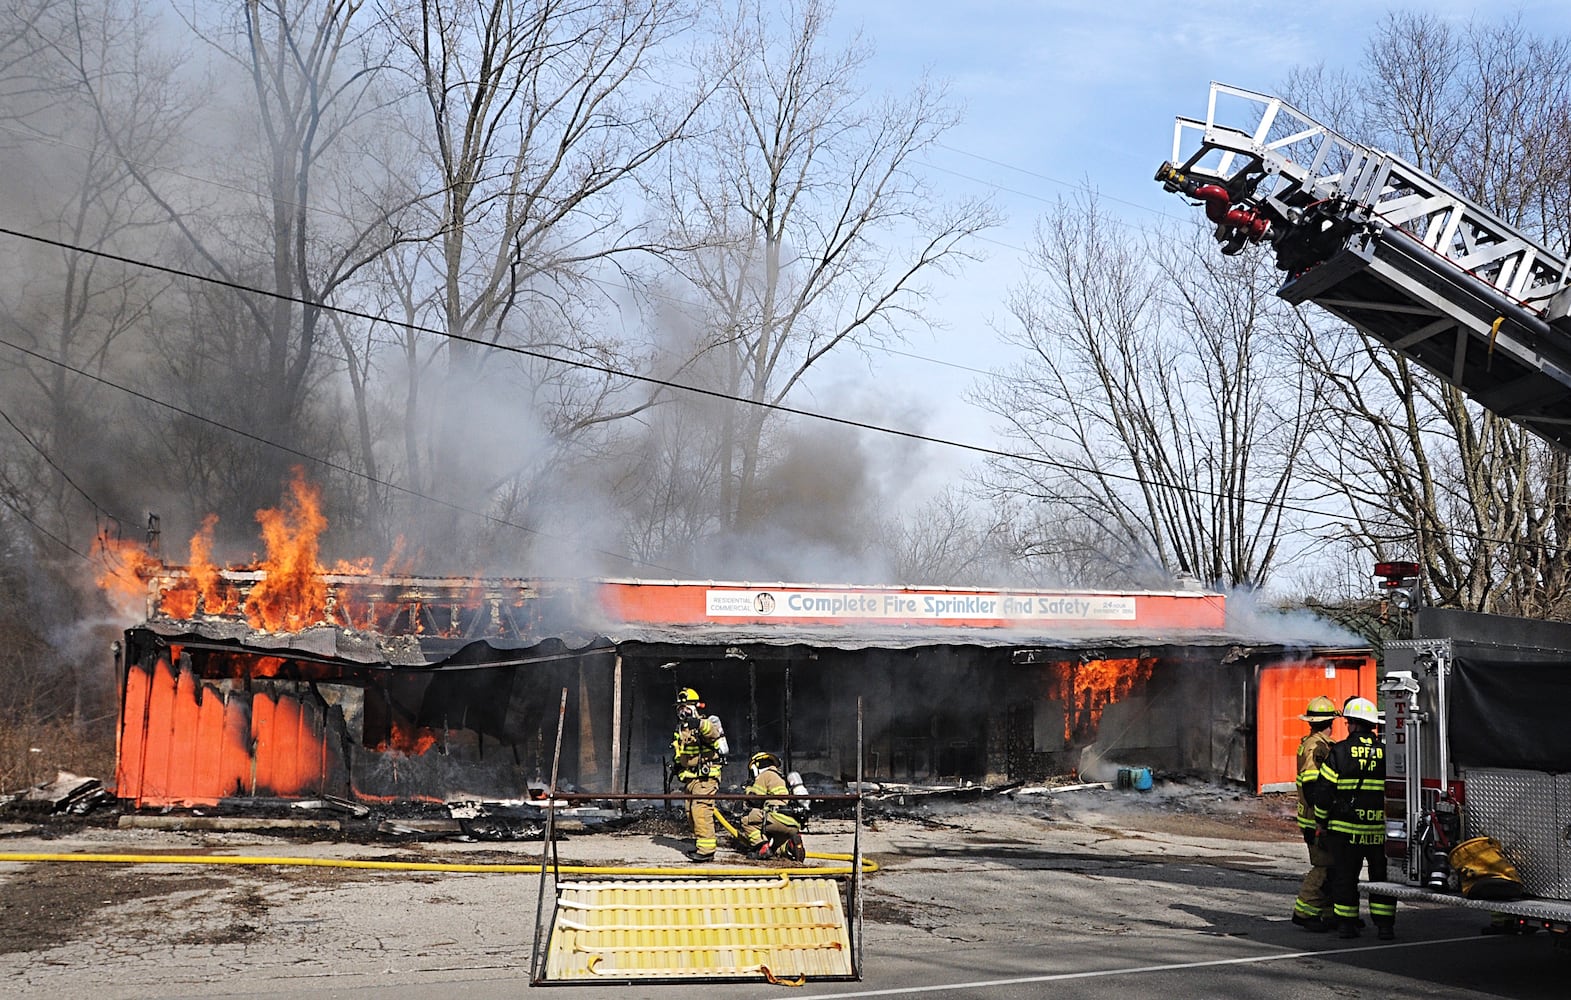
x=1056 y=464
x=63 y=474
x=602 y=369
x=35 y=135
x=306 y=456
x=1062 y=466
x=1043 y=177
x=43 y=530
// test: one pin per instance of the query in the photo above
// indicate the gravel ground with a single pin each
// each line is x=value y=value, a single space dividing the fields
x=163 y=930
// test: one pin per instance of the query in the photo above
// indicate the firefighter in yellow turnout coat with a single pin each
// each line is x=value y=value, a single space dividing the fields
x=767 y=830
x=1312 y=908
x=698 y=752
x=1350 y=813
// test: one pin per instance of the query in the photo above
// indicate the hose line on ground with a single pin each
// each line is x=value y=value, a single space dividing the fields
x=440 y=866
x=868 y=866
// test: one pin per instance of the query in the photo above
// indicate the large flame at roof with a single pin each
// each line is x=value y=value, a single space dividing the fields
x=293 y=594
x=289 y=595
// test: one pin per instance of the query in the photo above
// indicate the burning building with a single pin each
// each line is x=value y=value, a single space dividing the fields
x=252 y=685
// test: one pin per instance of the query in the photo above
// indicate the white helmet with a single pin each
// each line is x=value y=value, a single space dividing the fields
x=1363 y=710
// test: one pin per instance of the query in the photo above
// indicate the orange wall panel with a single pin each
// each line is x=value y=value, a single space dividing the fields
x=133 y=724
x=185 y=742
x=1284 y=691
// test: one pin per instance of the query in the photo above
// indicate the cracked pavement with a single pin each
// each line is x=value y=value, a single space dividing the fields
x=1005 y=893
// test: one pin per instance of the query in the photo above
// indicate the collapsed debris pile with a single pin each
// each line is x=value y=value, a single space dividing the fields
x=69 y=794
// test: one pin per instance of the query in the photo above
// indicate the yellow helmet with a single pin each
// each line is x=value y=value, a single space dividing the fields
x=1321 y=709
x=761 y=760
x=687 y=696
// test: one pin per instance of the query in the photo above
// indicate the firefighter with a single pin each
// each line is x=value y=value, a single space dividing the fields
x=1350 y=814
x=768 y=829
x=698 y=752
x=1312 y=907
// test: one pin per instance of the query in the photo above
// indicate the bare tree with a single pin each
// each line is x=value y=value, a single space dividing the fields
x=951 y=539
x=812 y=232
x=75 y=312
x=1160 y=406
x=537 y=115
x=1477 y=500
x=27 y=27
x=315 y=204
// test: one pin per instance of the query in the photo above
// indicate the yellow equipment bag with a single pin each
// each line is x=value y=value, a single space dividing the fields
x=1485 y=870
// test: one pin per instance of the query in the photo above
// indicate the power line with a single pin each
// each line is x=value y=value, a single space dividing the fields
x=306 y=456
x=34 y=134
x=43 y=530
x=56 y=466
x=602 y=369
x=1040 y=176
x=1062 y=466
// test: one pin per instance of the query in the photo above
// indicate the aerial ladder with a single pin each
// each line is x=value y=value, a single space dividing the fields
x=1379 y=243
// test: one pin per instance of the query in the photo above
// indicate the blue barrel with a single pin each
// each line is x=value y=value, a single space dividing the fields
x=1138 y=778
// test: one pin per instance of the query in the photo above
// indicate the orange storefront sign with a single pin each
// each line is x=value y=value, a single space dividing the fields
x=701 y=603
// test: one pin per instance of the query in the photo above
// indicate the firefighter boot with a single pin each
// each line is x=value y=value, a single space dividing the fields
x=1385 y=932
x=795 y=849
x=1348 y=929
x=1315 y=923
x=762 y=852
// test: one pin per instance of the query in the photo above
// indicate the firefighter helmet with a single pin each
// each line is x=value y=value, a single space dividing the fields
x=1321 y=709
x=1362 y=710
x=761 y=760
x=687 y=696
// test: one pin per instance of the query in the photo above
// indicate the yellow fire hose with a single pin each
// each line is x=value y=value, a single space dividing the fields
x=868 y=867
x=440 y=866
x=533 y=868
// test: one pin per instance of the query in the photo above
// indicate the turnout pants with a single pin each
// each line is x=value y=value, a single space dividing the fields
x=758 y=823
x=1347 y=861
x=1314 y=892
x=702 y=813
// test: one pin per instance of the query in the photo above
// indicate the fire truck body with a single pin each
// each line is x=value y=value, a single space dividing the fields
x=1477 y=740
x=1477 y=745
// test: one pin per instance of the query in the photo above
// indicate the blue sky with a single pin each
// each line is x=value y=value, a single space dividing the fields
x=1061 y=94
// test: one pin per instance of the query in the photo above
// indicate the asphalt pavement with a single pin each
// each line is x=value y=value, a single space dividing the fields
x=1183 y=892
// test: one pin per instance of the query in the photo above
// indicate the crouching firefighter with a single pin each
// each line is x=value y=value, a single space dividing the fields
x=698 y=751
x=769 y=829
x=1350 y=815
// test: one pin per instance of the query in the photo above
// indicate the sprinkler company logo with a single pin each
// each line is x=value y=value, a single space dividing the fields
x=738 y=603
x=913 y=606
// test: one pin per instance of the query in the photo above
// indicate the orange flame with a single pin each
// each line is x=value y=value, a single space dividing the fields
x=406 y=738
x=400 y=562
x=127 y=566
x=1086 y=688
x=353 y=567
x=203 y=589
x=293 y=594
x=204 y=574
x=290 y=591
